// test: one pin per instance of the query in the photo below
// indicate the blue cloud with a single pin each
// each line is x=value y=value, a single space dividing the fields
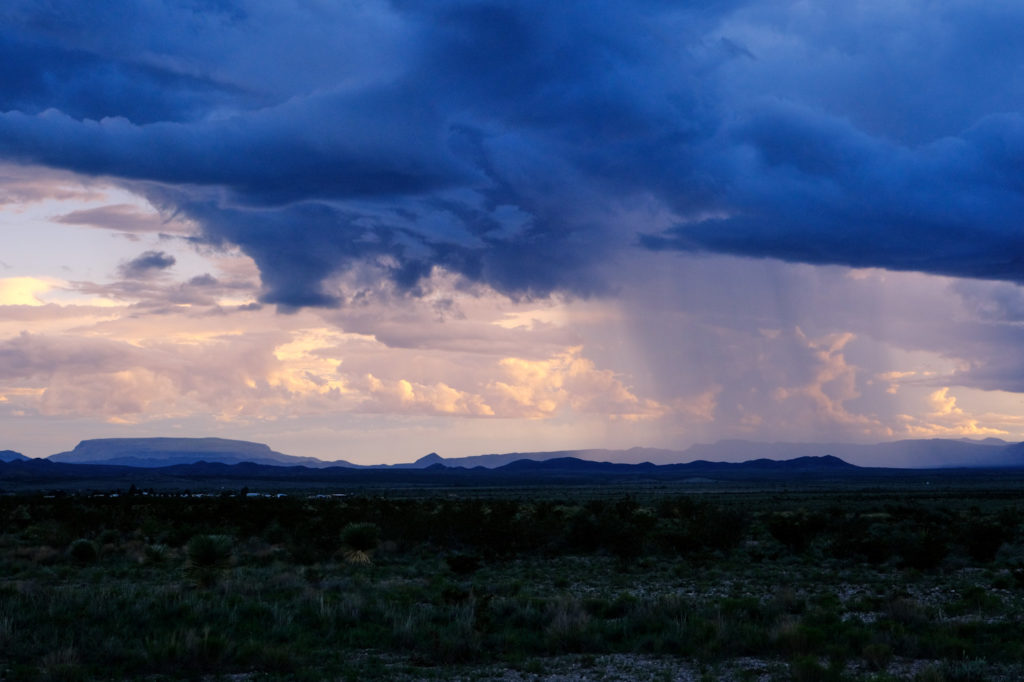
x=83 y=85
x=512 y=142
x=146 y=264
x=808 y=187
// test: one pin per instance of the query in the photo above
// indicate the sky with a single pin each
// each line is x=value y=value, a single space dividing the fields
x=369 y=230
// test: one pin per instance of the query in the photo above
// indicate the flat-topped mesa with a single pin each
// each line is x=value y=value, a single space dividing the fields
x=157 y=452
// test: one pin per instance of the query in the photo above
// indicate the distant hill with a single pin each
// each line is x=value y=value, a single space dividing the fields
x=630 y=456
x=423 y=462
x=912 y=454
x=904 y=454
x=162 y=452
x=908 y=454
x=564 y=470
x=11 y=456
x=807 y=463
x=823 y=465
x=575 y=465
x=492 y=461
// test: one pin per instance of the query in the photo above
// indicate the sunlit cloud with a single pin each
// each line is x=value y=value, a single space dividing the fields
x=538 y=389
x=405 y=397
x=946 y=419
x=24 y=290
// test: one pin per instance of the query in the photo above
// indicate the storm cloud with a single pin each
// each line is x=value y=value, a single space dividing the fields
x=526 y=145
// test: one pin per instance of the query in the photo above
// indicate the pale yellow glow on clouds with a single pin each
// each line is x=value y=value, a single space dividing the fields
x=558 y=312
x=24 y=290
x=39 y=291
x=894 y=378
x=302 y=370
x=402 y=396
x=948 y=419
x=259 y=365
x=537 y=389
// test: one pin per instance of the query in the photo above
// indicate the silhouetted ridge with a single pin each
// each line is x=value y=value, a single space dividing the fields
x=573 y=464
x=576 y=465
x=913 y=453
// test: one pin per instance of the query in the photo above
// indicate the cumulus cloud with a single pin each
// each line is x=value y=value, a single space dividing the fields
x=146 y=363
x=405 y=397
x=123 y=382
x=947 y=419
x=539 y=389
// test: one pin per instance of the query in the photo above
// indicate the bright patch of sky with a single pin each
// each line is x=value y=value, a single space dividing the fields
x=36 y=237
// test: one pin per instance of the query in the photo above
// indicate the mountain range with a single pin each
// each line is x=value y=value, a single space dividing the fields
x=561 y=471
x=908 y=454
x=924 y=453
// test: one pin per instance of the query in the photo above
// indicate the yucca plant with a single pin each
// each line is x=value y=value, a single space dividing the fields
x=208 y=558
x=154 y=554
x=360 y=539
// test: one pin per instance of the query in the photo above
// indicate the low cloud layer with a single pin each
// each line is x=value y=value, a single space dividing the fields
x=523 y=146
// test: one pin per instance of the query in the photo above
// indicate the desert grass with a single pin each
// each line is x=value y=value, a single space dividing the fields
x=182 y=589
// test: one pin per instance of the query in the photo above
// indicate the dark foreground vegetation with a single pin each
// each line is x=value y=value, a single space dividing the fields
x=516 y=584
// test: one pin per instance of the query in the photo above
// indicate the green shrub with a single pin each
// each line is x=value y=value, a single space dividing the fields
x=83 y=551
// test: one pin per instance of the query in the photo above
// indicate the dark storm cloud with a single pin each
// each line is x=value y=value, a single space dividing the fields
x=810 y=188
x=83 y=85
x=523 y=144
x=146 y=264
x=377 y=145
